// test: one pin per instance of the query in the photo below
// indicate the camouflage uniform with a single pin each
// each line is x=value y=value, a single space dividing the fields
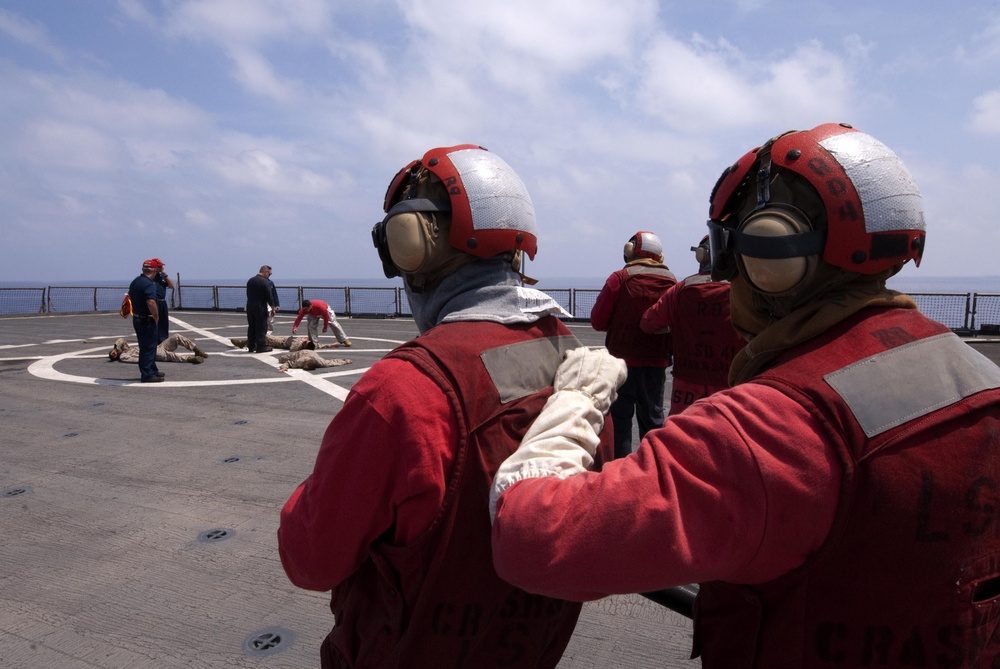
x=308 y=359
x=290 y=343
x=165 y=351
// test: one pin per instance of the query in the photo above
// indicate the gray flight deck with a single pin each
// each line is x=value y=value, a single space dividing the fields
x=138 y=520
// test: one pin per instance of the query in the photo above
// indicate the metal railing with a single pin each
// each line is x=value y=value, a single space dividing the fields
x=965 y=313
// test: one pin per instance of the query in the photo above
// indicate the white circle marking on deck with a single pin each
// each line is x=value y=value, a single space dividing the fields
x=45 y=368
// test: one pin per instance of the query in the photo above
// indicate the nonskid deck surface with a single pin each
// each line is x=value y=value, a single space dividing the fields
x=139 y=520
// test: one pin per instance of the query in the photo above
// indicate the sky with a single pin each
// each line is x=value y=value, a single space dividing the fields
x=220 y=135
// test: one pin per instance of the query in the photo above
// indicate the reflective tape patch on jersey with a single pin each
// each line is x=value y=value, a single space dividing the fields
x=888 y=389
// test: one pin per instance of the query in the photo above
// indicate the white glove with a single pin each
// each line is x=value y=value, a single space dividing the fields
x=563 y=439
x=595 y=373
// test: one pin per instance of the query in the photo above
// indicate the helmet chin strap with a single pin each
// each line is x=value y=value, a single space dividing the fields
x=517 y=264
x=764 y=170
x=764 y=176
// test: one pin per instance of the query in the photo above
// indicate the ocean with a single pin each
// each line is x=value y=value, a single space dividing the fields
x=945 y=299
x=907 y=282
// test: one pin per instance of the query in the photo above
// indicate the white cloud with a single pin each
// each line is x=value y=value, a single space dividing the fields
x=984 y=45
x=524 y=48
x=368 y=61
x=243 y=30
x=198 y=218
x=615 y=116
x=248 y=21
x=111 y=105
x=565 y=35
x=749 y=6
x=29 y=33
x=857 y=49
x=813 y=83
x=699 y=86
x=59 y=145
x=136 y=11
x=98 y=158
x=93 y=124
x=986 y=113
x=257 y=75
x=960 y=203
x=694 y=85
x=262 y=171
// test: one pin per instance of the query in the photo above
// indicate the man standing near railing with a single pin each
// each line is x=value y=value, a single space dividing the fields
x=626 y=295
x=259 y=300
x=275 y=304
x=145 y=318
x=162 y=281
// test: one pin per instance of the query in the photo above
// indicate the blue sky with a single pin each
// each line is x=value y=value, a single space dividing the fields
x=222 y=134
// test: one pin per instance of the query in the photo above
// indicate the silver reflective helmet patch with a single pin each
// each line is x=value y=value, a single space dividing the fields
x=497 y=196
x=890 y=198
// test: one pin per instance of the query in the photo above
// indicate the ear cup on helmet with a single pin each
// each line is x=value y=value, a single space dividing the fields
x=701 y=254
x=775 y=275
x=629 y=251
x=415 y=241
x=404 y=234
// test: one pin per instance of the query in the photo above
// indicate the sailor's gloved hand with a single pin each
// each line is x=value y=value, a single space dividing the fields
x=564 y=437
x=595 y=373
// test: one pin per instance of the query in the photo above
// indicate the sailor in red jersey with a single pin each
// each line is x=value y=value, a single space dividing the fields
x=838 y=504
x=695 y=312
x=314 y=311
x=626 y=296
x=394 y=518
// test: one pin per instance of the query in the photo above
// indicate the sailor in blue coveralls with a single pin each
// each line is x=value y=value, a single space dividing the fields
x=145 y=319
x=162 y=281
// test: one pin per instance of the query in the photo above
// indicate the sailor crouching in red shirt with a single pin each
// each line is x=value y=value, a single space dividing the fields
x=314 y=311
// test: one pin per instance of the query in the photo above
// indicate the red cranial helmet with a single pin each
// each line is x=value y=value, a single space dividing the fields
x=489 y=208
x=643 y=244
x=830 y=192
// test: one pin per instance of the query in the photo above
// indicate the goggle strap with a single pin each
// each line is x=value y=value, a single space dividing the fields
x=417 y=205
x=773 y=248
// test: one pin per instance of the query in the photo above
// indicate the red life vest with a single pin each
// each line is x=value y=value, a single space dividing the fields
x=705 y=342
x=641 y=286
x=438 y=602
x=909 y=575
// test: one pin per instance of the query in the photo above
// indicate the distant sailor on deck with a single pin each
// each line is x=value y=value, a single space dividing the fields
x=314 y=311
